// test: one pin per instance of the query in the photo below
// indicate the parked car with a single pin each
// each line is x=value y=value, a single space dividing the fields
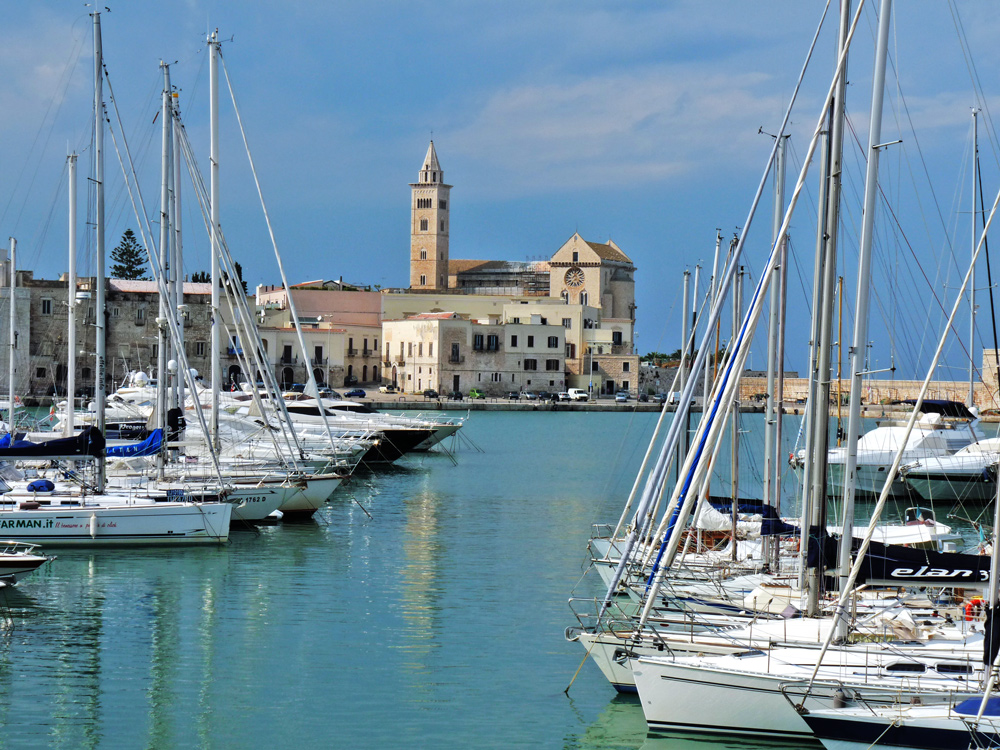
x=530 y=396
x=660 y=398
x=387 y=388
x=578 y=394
x=621 y=397
x=476 y=393
x=431 y=393
x=644 y=397
x=328 y=393
x=546 y=396
x=514 y=395
x=564 y=396
x=355 y=393
x=456 y=396
x=350 y=380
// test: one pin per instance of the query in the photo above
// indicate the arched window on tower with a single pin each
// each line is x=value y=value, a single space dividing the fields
x=423 y=255
x=565 y=296
x=423 y=225
x=583 y=298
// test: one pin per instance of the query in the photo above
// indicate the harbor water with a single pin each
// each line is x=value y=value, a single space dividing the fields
x=436 y=622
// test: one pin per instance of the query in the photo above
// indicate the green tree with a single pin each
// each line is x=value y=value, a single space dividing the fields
x=201 y=277
x=129 y=259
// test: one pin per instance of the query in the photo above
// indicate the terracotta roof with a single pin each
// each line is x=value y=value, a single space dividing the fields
x=435 y=316
x=610 y=251
x=149 y=287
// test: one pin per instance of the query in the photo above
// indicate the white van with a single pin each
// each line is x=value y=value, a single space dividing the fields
x=578 y=394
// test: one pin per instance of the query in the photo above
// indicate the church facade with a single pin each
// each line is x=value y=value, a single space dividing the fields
x=588 y=282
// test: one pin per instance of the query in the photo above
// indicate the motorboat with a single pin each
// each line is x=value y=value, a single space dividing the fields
x=943 y=428
x=969 y=475
x=18 y=559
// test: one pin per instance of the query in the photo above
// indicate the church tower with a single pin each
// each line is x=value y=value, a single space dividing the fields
x=429 y=226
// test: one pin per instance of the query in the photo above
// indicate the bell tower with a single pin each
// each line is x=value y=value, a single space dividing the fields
x=429 y=226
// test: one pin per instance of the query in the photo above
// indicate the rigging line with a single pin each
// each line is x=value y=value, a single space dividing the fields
x=154 y=267
x=909 y=246
x=57 y=196
x=977 y=85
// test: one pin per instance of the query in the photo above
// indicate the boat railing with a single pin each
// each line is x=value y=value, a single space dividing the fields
x=11 y=547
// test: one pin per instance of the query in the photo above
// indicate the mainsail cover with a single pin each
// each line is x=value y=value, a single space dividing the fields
x=148 y=447
x=88 y=443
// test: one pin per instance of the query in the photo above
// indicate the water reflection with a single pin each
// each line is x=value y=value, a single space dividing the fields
x=420 y=589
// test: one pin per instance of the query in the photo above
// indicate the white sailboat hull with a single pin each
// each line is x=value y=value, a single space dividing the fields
x=137 y=525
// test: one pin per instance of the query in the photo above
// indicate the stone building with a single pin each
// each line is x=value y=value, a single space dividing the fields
x=447 y=352
x=341 y=323
x=130 y=331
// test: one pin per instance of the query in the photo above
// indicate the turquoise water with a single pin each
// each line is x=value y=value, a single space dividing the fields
x=436 y=623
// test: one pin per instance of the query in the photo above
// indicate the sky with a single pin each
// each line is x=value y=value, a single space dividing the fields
x=646 y=123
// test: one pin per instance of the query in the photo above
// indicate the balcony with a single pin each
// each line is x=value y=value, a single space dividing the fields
x=288 y=361
x=367 y=352
x=320 y=360
x=456 y=359
x=399 y=360
x=352 y=352
x=232 y=351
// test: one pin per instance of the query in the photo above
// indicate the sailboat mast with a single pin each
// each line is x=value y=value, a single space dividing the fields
x=857 y=349
x=178 y=255
x=770 y=420
x=100 y=296
x=972 y=281
x=213 y=46
x=735 y=408
x=162 y=337
x=11 y=369
x=71 y=305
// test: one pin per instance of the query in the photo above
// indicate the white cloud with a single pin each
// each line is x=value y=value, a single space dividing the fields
x=620 y=129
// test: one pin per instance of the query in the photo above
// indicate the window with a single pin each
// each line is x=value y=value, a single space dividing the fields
x=616 y=337
x=430 y=349
x=567 y=323
x=423 y=225
x=576 y=257
x=496 y=377
x=553 y=342
x=583 y=298
x=531 y=364
x=39 y=372
x=318 y=355
x=117 y=311
x=140 y=316
x=85 y=373
x=625 y=366
x=570 y=351
x=454 y=353
x=409 y=348
x=477 y=342
x=513 y=341
x=420 y=348
x=423 y=255
x=442 y=225
x=552 y=365
x=531 y=341
x=443 y=205
x=565 y=296
x=624 y=385
x=46 y=310
x=492 y=343
x=423 y=280
x=156 y=350
x=593 y=365
x=199 y=349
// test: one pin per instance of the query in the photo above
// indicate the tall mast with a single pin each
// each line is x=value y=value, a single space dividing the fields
x=99 y=300
x=11 y=369
x=166 y=303
x=735 y=408
x=213 y=46
x=972 y=280
x=772 y=336
x=178 y=256
x=71 y=305
x=857 y=350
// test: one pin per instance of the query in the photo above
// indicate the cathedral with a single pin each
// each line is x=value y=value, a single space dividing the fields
x=598 y=275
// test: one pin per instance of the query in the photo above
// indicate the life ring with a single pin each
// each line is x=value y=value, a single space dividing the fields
x=973 y=608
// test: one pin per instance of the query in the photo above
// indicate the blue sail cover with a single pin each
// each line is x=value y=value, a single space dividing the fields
x=89 y=442
x=971 y=706
x=148 y=447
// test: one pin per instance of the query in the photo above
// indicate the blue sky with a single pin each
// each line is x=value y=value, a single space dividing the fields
x=632 y=121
